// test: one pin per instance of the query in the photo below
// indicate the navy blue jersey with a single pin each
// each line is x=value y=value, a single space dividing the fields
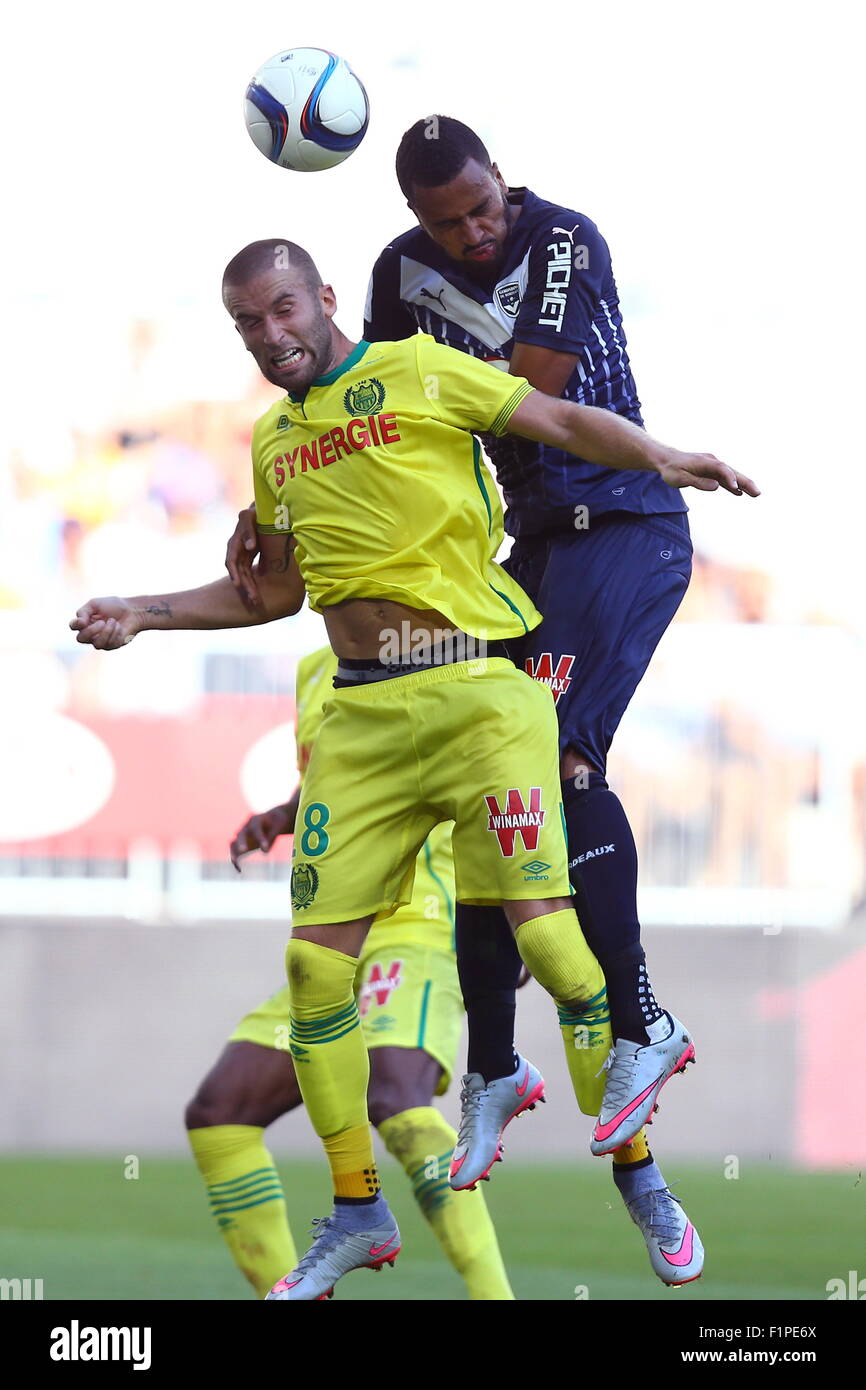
x=555 y=289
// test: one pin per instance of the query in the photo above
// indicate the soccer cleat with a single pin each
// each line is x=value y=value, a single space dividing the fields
x=635 y=1075
x=484 y=1113
x=674 y=1246
x=333 y=1253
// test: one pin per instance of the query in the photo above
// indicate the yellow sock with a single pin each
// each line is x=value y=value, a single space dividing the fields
x=587 y=1040
x=331 y=1062
x=421 y=1141
x=247 y=1201
x=355 y=1174
x=634 y=1151
x=555 y=951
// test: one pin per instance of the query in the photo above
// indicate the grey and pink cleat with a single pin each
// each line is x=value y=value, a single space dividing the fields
x=336 y=1251
x=485 y=1110
x=674 y=1246
x=635 y=1076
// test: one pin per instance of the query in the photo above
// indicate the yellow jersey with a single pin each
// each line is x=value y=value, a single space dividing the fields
x=314 y=683
x=376 y=473
x=428 y=920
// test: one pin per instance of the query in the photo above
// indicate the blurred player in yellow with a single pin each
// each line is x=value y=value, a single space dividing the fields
x=411 y=1018
x=372 y=498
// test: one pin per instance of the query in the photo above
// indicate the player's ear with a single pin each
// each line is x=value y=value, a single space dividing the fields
x=328 y=300
x=494 y=169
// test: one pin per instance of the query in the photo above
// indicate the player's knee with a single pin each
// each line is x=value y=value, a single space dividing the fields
x=521 y=912
x=400 y=1079
x=320 y=972
x=576 y=768
x=554 y=950
x=206 y=1110
x=383 y=1103
x=389 y=1096
x=218 y=1101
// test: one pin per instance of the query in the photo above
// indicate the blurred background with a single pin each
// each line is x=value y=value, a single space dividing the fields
x=714 y=148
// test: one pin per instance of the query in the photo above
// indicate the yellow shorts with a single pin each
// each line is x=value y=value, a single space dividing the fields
x=476 y=743
x=408 y=996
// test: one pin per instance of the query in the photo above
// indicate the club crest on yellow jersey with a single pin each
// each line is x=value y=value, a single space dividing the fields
x=305 y=885
x=365 y=397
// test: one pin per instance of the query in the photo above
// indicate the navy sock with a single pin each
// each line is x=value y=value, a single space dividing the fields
x=603 y=868
x=489 y=965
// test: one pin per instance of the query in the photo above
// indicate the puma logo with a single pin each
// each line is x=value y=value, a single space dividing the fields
x=428 y=294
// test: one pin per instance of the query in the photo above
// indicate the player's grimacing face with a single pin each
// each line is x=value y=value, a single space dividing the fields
x=285 y=324
x=469 y=218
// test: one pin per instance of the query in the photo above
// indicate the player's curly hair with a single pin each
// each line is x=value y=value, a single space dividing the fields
x=434 y=150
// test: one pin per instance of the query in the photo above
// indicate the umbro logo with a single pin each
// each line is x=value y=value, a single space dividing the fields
x=284 y=423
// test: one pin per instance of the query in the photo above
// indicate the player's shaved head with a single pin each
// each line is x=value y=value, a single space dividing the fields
x=261 y=257
x=434 y=150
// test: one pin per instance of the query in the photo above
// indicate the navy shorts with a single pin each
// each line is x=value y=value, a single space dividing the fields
x=607 y=594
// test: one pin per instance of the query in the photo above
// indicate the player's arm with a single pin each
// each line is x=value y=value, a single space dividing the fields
x=548 y=338
x=546 y=369
x=109 y=623
x=602 y=437
x=475 y=396
x=386 y=317
x=262 y=831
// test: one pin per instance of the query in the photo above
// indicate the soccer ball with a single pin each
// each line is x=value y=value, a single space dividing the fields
x=306 y=109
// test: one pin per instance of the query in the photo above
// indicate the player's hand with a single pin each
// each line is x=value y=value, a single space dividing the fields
x=260 y=832
x=705 y=472
x=106 y=623
x=242 y=549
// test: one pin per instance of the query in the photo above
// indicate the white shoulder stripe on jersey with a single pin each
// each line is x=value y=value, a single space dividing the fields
x=426 y=288
x=368 y=302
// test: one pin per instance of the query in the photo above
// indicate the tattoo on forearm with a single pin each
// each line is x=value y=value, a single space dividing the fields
x=160 y=610
x=280 y=566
